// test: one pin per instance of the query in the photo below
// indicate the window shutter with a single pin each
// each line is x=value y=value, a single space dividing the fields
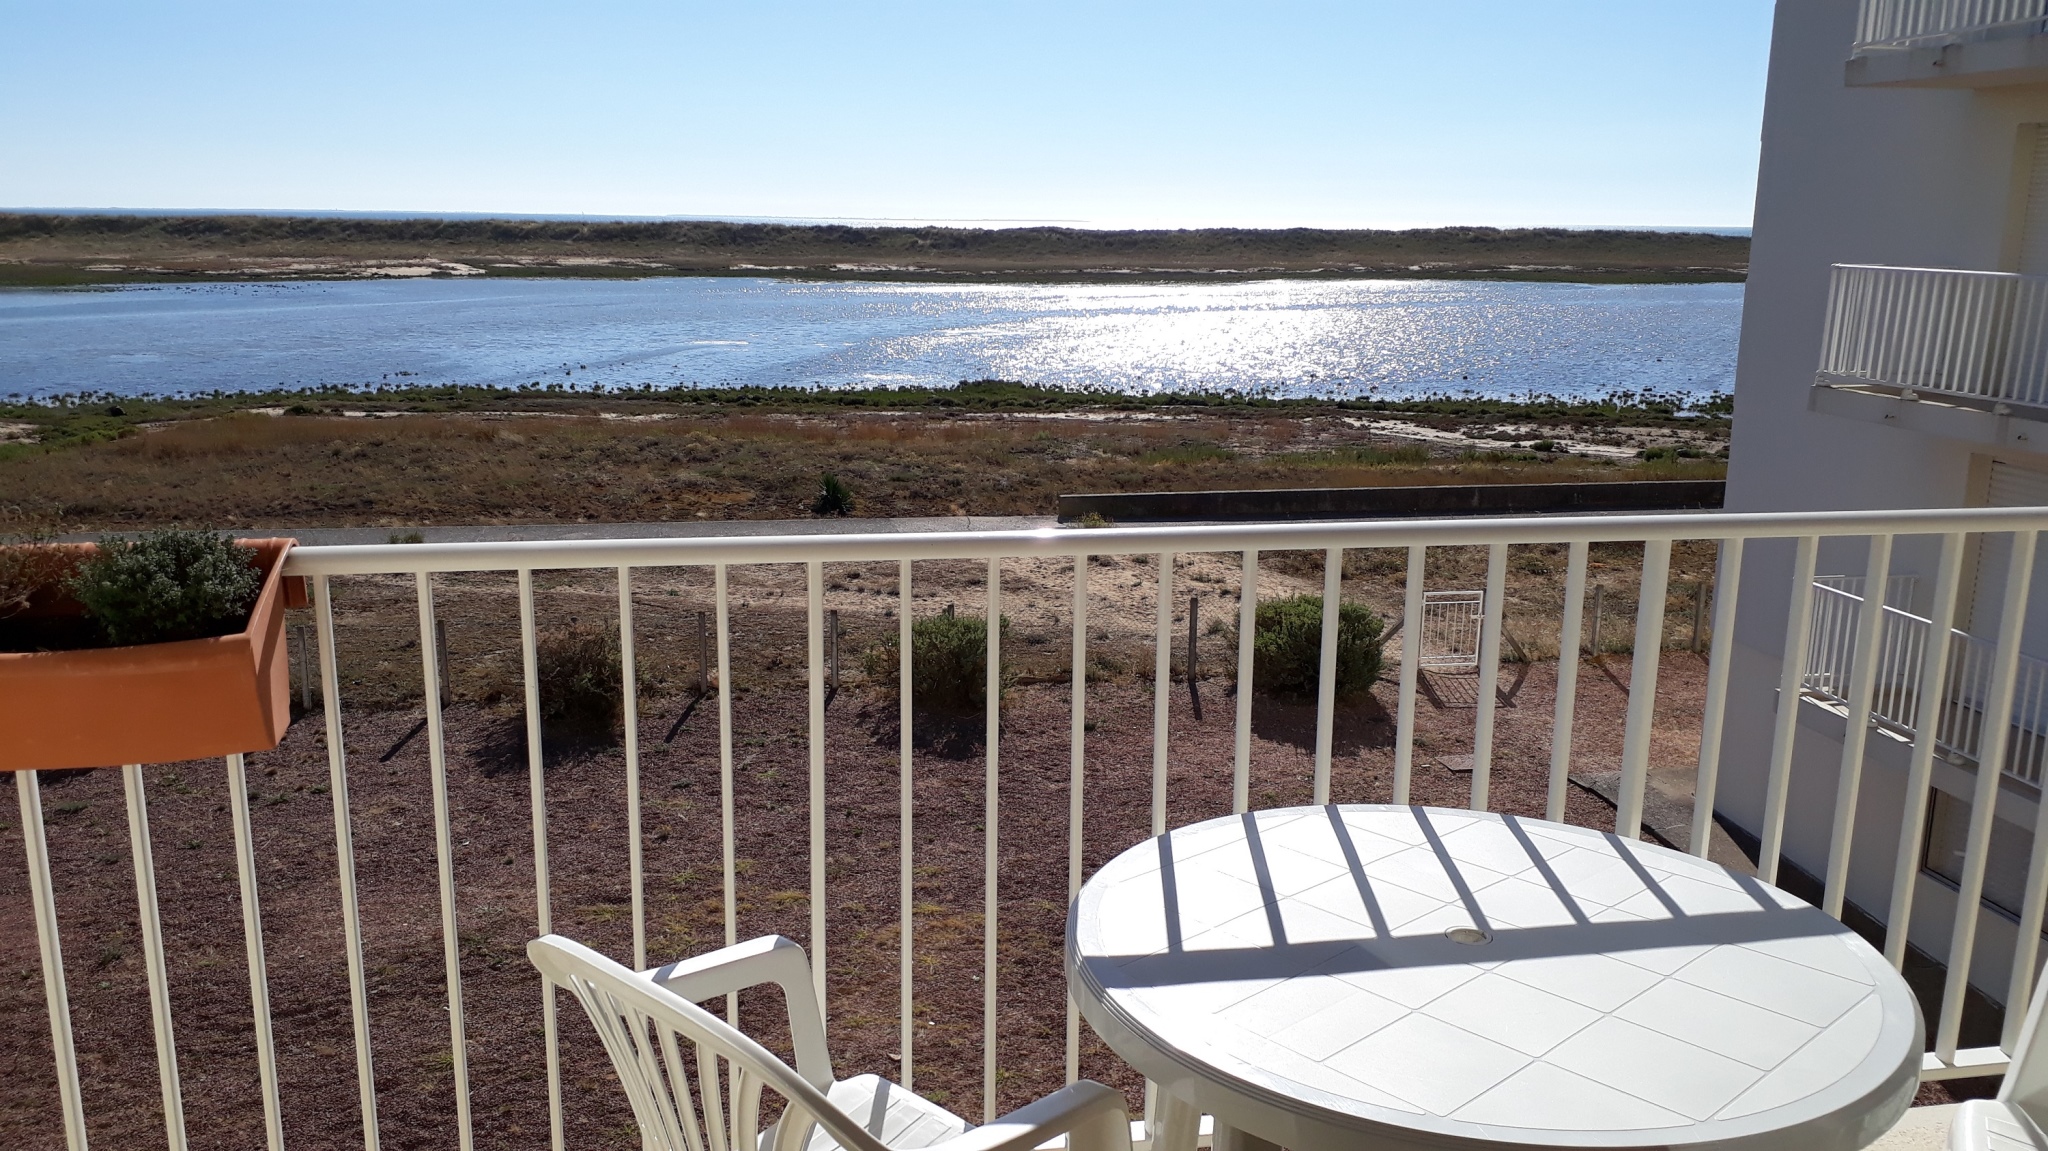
x=2034 y=232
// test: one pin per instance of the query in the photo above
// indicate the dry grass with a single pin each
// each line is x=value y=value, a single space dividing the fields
x=247 y=470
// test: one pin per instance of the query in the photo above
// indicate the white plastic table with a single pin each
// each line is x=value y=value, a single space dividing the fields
x=1407 y=977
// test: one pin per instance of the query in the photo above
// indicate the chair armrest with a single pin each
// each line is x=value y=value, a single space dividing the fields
x=1092 y=1115
x=767 y=959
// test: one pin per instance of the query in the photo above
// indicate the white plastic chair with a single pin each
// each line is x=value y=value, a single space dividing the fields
x=2017 y=1118
x=650 y=1024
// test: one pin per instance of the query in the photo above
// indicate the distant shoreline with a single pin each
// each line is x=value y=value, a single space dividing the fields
x=61 y=250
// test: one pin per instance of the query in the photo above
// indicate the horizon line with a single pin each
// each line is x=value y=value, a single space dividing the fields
x=986 y=223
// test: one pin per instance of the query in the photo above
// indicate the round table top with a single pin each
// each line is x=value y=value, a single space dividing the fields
x=1434 y=977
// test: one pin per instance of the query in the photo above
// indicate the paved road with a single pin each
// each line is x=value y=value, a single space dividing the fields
x=679 y=528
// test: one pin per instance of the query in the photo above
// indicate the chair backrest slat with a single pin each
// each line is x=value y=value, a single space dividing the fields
x=714 y=1104
x=679 y=1088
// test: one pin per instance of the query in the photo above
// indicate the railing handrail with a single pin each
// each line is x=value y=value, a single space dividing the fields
x=1977 y=272
x=389 y=559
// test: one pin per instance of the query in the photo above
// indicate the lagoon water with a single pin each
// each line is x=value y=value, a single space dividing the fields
x=1297 y=337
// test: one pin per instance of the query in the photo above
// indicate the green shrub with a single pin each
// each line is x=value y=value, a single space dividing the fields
x=1287 y=647
x=581 y=684
x=168 y=585
x=948 y=662
x=834 y=498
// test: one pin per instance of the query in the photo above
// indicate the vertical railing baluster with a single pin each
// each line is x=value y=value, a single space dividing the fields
x=1841 y=319
x=2020 y=988
x=536 y=778
x=1861 y=686
x=1997 y=725
x=814 y=634
x=1798 y=633
x=1945 y=332
x=345 y=861
x=1642 y=688
x=1077 y=760
x=728 y=856
x=1247 y=632
x=993 y=685
x=1411 y=670
x=1562 y=715
x=1489 y=675
x=252 y=941
x=56 y=997
x=1720 y=656
x=2023 y=379
x=433 y=692
x=1930 y=701
x=906 y=809
x=629 y=681
x=144 y=858
x=1162 y=689
x=1918 y=330
x=1326 y=672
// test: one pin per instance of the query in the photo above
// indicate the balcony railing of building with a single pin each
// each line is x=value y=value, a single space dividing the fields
x=347 y=990
x=1896 y=695
x=1911 y=23
x=1979 y=339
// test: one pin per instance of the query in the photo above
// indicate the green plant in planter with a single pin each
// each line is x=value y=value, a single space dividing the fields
x=1287 y=646
x=167 y=585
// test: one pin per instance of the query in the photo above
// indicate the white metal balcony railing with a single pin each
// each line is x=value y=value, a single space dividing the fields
x=1910 y=23
x=351 y=985
x=1901 y=657
x=1976 y=337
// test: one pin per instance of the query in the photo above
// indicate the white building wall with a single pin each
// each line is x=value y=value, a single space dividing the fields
x=1853 y=175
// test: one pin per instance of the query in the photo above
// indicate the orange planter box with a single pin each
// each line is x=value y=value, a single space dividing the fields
x=154 y=703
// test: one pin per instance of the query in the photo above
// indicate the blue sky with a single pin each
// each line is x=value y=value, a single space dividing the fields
x=1360 y=113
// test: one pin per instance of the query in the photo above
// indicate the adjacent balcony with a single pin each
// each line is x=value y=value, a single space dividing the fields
x=1899 y=702
x=1949 y=43
x=1970 y=348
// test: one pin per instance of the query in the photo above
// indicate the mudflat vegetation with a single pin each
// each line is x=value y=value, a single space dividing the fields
x=494 y=456
x=52 y=250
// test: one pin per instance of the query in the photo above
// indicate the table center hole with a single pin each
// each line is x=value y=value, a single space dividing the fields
x=1471 y=935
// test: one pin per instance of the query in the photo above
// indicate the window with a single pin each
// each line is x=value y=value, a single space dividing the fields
x=2005 y=873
